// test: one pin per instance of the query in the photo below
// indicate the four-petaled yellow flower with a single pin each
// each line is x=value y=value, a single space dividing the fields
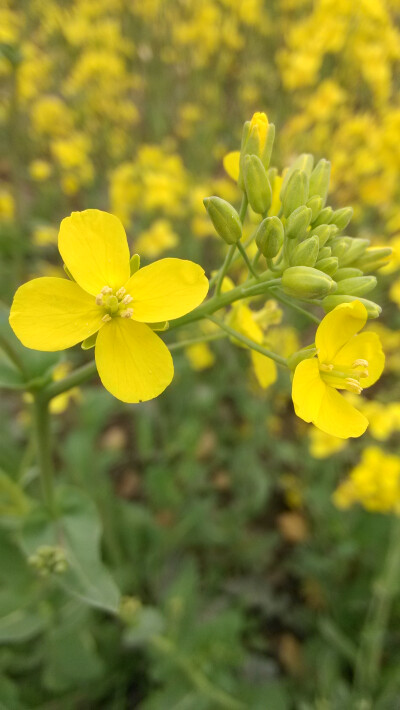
x=345 y=361
x=55 y=313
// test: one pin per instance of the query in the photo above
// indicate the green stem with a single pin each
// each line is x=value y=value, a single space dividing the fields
x=279 y=297
x=373 y=634
x=43 y=448
x=249 y=343
x=75 y=379
x=247 y=260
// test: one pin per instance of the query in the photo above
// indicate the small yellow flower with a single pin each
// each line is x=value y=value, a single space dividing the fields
x=51 y=313
x=374 y=483
x=345 y=361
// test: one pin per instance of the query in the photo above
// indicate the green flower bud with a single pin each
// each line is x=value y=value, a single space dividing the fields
x=323 y=232
x=134 y=264
x=340 y=246
x=297 y=223
x=324 y=217
x=330 y=302
x=306 y=282
x=315 y=205
x=347 y=273
x=269 y=236
x=305 y=253
x=356 y=249
x=342 y=217
x=375 y=257
x=295 y=193
x=329 y=265
x=224 y=218
x=324 y=253
x=319 y=179
x=257 y=139
x=305 y=162
x=258 y=189
x=356 y=286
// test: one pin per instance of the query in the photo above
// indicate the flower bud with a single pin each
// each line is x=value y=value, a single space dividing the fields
x=342 y=217
x=295 y=193
x=315 y=205
x=305 y=162
x=328 y=266
x=323 y=232
x=375 y=257
x=356 y=249
x=340 y=246
x=224 y=218
x=324 y=217
x=305 y=253
x=134 y=264
x=324 y=252
x=347 y=273
x=269 y=236
x=257 y=139
x=330 y=302
x=297 y=223
x=258 y=188
x=319 y=179
x=306 y=282
x=356 y=286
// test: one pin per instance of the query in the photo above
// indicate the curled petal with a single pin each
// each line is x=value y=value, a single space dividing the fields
x=337 y=328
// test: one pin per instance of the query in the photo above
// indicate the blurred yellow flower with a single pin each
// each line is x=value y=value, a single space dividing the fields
x=157 y=239
x=374 y=483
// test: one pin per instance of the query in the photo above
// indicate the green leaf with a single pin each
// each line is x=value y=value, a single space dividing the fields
x=149 y=623
x=77 y=530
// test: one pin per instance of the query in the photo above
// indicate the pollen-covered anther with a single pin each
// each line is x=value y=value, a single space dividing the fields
x=121 y=292
x=362 y=366
x=128 y=313
x=326 y=368
x=99 y=299
x=106 y=290
x=127 y=299
x=353 y=385
x=106 y=318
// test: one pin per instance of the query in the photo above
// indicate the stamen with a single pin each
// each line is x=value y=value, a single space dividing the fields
x=326 y=368
x=106 y=318
x=353 y=385
x=99 y=299
x=121 y=292
x=106 y=290
x=360 y=363
x=127 y=314
x=127 y=299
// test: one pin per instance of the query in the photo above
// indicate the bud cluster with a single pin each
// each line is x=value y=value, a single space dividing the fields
x=49 y=559
x=303 y=240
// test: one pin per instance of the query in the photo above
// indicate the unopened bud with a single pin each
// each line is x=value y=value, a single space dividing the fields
x=257 y=139
x=347 y=273
x=357 y=286
x=330 y=302
x=295 y=193
x=269 y=236
x=319 y=179
x=342 y=217
x=305 y=253
x=374 y=257
x=329 y=265
x=352 y=255
x=305 y=162
x=224 y=218
x=323 y=232
x=324 y=252
x=134 y=264
x=324 y=217
x=258 y=188
x=306 y=282
x=315 y=205
x=340 y=246
x=297 y=223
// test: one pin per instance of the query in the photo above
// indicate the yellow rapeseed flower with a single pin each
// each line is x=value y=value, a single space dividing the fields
x=52 y=313
x=374 y=483
x=345 y=361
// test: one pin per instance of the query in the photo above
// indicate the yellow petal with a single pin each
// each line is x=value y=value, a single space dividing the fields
x=231 y=164
x=94 y=247
x=337 y=328
x=167 y=289
x=365 y=346
x=133 y=362
x=264 y=368
x=242 y=320
x=308 y=389
x=53 y=314
x=336 y=416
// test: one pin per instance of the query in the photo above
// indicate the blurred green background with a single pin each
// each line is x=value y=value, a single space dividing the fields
x=249 y=579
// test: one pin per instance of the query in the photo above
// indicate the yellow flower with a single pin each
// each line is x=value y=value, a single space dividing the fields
x=322 y=445
x=374 y=483
x=53 y=314
x=345 y=361
x=200 y=356
x=247 y=322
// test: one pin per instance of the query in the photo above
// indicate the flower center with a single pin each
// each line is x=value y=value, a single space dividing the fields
x=345 y=378
x=114 y=303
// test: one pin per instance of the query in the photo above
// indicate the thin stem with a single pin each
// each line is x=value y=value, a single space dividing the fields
x=247 y=260
x=279 y=297
x=73 y=380
x=373 y=634
x=249 y=343
x=43 y=448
